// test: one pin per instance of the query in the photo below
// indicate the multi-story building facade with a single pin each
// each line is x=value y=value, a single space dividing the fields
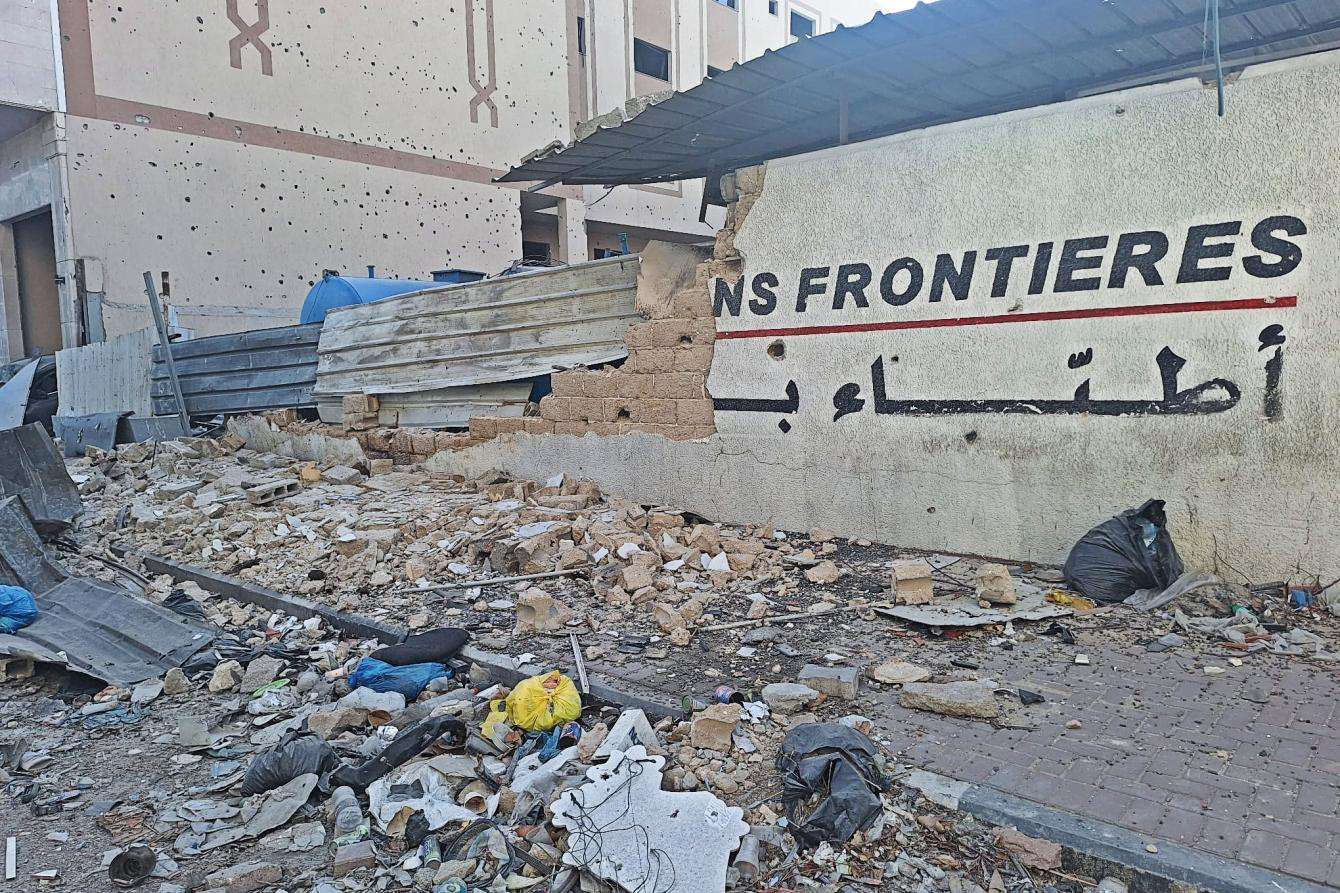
x=238 y=148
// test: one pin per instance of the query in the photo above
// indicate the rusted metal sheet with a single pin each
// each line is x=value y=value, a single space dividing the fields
x=440 y=408
x=477 y=333
x=240 y=373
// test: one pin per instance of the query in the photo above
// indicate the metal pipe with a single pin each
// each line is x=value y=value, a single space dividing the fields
x=161 y=324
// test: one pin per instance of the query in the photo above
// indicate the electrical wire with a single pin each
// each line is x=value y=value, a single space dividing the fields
x=655 y=861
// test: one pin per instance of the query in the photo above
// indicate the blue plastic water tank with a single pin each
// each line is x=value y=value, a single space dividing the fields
x=342 y=291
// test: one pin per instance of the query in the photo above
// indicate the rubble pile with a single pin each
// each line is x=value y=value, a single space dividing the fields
x=290 y=755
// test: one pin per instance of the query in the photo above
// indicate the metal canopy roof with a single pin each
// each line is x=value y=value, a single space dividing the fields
x=940 y=62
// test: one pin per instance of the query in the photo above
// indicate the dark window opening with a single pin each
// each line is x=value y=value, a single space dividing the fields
x=712 y=71
x=602 y=253
x=801 y=26
x=729 y=4
x=535 y=252
x=651 y=60
x=772 y=7
x=581 y=35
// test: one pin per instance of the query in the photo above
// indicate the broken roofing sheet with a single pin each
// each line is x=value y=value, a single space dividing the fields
x=31 y=467
x=968 y=612
x=84 y=624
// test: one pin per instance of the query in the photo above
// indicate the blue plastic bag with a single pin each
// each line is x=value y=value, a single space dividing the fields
x=17 y=608
x=408 y=680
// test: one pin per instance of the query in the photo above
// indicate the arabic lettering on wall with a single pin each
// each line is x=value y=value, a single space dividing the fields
x=1206 y=255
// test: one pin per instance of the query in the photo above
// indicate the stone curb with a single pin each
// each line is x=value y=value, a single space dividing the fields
x=1106 y=842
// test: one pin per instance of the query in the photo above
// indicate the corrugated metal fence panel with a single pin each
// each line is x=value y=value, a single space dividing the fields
x=107 y=376
x=490 y=331
x=242 y=372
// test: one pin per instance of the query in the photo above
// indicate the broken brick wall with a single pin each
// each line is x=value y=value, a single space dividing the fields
x=662 y=387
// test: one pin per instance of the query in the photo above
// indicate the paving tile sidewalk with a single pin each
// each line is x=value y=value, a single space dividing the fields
x=1163 y=749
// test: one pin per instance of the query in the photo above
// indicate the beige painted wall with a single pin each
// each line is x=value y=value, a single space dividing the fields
x=27 y=62
x=245 y=231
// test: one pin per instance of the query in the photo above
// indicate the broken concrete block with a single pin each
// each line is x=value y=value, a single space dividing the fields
x=264 y=494
x=898 y=672
x=667 y=617
x=342 y=474
x=824 y=572
x=635 y=577
x=714 y=727
x=971 y=699
x=539 y=612
x=175 y=682
x=632 y=728
x=352 y=857
x=1032 y=851
x=912 y=582
x=381 y=466
x=226 y=676
x=245 y=878
x=260 y=672
x=621 y=813
x=995 y=585
x=789 y=697
x=836 y=682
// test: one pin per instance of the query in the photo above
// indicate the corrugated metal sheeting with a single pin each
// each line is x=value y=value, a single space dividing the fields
x=106 y=376
x=240 y=373
x=945 y=61
x=462 y=337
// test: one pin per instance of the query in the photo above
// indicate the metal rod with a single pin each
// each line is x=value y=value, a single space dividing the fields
x=11 y=858
x=470 y=584
x=581 y=665
x=799 y=615
x=161 y=325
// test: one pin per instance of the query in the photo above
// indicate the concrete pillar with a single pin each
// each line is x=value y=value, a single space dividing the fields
x=572 y=247
x=611 y=54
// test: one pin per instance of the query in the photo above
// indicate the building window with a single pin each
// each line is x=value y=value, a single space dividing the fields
x=772 y=7
x=535 y=252
x=581 y=35
x=651 y=60
x=729 y=4
x=602 y=253
x=713 y=71
x=801 y=26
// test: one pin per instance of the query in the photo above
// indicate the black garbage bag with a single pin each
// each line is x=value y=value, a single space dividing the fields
x=295 y=755
x=403 y=747
x=437 y=646
x=1132 y=551
x=830 y=783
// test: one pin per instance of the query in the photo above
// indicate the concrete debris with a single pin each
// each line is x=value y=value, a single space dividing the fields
x=309 y=564
x=971 y=699
x=897 y=672
x=689 y=836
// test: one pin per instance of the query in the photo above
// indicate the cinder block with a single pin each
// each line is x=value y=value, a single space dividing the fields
x=677 y=385
x=657 y=359
x=641 y=335
x=836 y=682
x=692 y=359
x=671 y=332
x=698 y=432
x=575 y=428
x=912 y=582
x=558 y=409
x=654 y=412
x=359 y=404
x=539 y=426
x=484 y=426
x=604 y=429
x=695 y=412
x=423 y=443
x=402 y=441
x=627 y=384
x=511 y=426
x=571 y=383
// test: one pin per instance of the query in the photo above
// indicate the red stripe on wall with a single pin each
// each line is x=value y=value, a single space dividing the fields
x=1267 y=303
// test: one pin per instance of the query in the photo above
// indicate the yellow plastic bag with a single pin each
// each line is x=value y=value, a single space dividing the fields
x=497 y=715
x=539 y=703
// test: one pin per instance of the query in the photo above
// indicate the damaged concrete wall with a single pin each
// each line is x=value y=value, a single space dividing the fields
x=1005 y=411
x=290 y=139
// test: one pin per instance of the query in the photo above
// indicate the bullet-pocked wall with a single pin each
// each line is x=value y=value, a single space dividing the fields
x=247 y=146
x=988 y=336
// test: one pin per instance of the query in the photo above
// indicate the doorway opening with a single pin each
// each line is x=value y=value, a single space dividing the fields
x=35 y=275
